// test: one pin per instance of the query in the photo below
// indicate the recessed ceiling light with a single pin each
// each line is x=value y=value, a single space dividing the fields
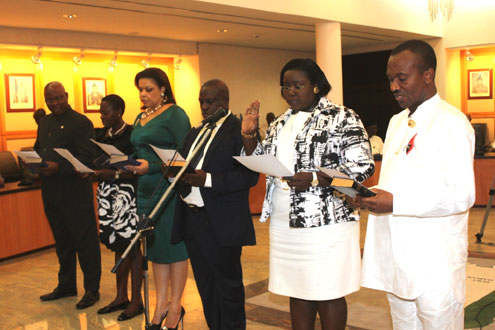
x=222 y=30
x=69 y=16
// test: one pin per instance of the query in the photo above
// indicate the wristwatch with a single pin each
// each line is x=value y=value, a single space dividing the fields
x=117 y=175
x=315 y=181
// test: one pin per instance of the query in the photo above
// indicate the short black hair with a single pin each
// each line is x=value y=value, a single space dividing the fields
x=426 y=54
x=160 y=78
x=222 y=87
x=315 y=74
x=115 y=101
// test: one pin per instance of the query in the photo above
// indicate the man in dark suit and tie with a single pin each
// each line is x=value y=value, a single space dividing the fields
x=214 y=218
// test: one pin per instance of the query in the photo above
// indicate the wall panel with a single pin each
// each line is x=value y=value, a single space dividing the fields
x=17 y=129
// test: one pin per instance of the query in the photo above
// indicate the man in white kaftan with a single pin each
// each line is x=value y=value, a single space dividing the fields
x=416 y=240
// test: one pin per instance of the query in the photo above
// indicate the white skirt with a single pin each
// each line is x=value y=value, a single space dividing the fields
x=319 y=263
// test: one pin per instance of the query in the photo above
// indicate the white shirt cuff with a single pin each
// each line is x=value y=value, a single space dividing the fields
x=208 y=180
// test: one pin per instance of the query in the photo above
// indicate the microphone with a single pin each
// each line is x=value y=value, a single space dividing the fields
x=212 y=118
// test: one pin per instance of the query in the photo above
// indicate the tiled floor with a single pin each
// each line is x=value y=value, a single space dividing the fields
x=24 y=279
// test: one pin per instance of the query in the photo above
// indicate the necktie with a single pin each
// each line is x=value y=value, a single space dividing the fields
x=195 y=161
x=185 y=189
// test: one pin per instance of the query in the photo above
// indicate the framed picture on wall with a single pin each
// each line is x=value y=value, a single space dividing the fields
x=94 y=89
x=480 y=84
x=20 y=92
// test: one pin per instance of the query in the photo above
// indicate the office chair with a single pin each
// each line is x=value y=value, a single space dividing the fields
x=9 y=169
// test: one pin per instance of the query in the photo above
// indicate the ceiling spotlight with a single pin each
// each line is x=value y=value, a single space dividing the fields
x=178 y=63
x=146 y=62
x=37 y=58
x=113 y=61
x=69 y=16
x=469 y=56
x=222 y=30
x=78 y=59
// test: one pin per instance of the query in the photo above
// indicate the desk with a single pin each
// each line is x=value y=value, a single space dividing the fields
x=484 y=172
x=23 y=225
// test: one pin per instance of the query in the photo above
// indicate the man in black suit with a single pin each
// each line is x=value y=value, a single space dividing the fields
x=214 y=218
x=67 y=198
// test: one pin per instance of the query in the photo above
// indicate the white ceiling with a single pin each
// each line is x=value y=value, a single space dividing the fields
x=187 y=20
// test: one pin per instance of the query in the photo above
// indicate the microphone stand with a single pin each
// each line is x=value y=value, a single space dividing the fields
x=145 y=226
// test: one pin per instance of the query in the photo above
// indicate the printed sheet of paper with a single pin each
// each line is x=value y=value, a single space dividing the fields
x=80 y=167
x=28 y=156
x=267 y=164
x=109 y=149
x=167 y=154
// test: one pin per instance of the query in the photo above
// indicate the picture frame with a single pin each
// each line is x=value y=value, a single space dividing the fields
x=20 y=92
x=94 y=89
x=480 y=84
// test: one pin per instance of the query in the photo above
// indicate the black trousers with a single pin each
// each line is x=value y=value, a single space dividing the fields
x=218 y=274
x=73 y=223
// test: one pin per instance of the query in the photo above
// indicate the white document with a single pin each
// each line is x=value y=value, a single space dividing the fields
x=30 y=157
x=167 y=154
x=109 y=149
x=267 y=164
x=80 y=167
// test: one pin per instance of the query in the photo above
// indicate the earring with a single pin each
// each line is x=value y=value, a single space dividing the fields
x=162 y=94
x=316 y=90
x=165 y=99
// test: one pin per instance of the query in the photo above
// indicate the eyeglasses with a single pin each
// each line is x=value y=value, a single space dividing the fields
x=295 y=88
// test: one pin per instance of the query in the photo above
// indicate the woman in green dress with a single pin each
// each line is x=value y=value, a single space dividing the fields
x=164 y=125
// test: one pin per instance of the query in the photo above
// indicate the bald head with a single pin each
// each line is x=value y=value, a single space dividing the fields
x=56 y=98
x=219 y=85
x=55 y=85
x=214 y=94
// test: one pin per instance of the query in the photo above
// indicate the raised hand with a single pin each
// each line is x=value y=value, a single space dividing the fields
x=250 y=120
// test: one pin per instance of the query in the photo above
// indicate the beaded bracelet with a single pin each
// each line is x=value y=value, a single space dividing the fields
x=248 y=136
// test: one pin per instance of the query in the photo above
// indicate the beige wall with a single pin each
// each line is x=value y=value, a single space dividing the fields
x=187 y=87
x=251 y=74
x=473 y=23
x=403 y=15
x=89 y=40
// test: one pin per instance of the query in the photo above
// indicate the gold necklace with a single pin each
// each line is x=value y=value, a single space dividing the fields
x=150 y=111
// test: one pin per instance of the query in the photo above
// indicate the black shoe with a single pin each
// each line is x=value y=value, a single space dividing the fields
x=181 y=319
x=57 y=294
x=153 y=326
x=127 y=316
x=109 y=309
x=89 y=299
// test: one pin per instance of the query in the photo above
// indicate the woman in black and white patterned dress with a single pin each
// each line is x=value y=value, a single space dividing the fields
x=314 y=234
x=117 y=212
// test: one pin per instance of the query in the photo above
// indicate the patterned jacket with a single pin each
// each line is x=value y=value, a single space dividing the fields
x=333 y=137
